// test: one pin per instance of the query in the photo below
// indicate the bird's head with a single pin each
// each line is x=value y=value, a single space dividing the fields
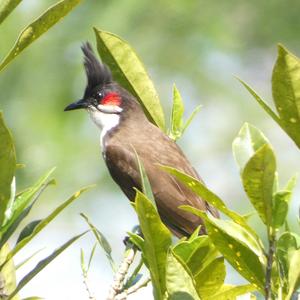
x=104 y=99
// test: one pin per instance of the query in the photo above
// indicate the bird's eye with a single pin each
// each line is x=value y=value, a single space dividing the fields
x=99 y=95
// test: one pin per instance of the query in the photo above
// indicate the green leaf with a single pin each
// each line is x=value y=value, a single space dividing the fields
x=230 y=292
x=157 y=240
x=291 y=183
x=239 y=247
x=211 y=278
x=42 y=24
x=200 y=189
x=24 y=199
x=137 y=240
x=7 y=166
x=6 y=7
x=247 y=142
x=8 y=273
x=28 y=230
x=258 y=179
x=190 y=119
x=280 y=208
x=26 y=260
x=286 y=92
x=91 y=256
x=146 y=186
x=288 y=254
x=180 y=284
x=43 y=263
x=104 y=244
x=196 y=253
x=44 y=222
x=263 y=104
x=33 y=298
x=177 y=115
x=10 y=228
x=128 y=70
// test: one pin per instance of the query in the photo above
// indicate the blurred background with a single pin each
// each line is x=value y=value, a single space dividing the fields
x=200 y=46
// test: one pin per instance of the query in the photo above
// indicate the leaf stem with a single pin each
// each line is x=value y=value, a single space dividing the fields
x=272 y=246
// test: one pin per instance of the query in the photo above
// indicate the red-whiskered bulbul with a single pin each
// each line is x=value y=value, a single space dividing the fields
x=125 y=128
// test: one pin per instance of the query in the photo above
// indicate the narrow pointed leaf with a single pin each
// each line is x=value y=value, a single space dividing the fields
x=263 y=104
x=91 y=256
x=7 y=166
x=103 y=242
x=146 y=187
x=247 y=142
x=42 y=24
x=129 y=71
x=23 y=200
x=286 y=91
x=44 y=222
x=180 y=284
x=258 y=179
x=28 y=230
x=177 y=115
x=157 y=240
x=191 y=118
x=43 y=263
x=26 y=260
x=6 y=7
x=19 y=216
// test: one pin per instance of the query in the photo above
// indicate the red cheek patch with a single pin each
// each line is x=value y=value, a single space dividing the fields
x=112 y=99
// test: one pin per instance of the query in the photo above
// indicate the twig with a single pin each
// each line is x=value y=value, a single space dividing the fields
x=86 y=284
x=119 y=277
x=268 y=285
x=134 y=273
x=132 y=289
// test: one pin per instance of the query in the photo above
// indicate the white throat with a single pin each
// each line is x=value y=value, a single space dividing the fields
x=105 y=121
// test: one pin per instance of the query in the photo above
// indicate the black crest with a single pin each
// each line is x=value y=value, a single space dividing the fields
x=96 y=72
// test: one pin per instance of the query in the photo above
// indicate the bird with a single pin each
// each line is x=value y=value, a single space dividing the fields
x=125 y=133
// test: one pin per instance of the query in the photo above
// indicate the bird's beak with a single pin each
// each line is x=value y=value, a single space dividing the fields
x=82 y=103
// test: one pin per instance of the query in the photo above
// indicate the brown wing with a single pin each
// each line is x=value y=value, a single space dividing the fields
x=168 y=192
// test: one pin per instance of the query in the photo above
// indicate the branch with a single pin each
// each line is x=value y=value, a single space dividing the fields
x=119 y=277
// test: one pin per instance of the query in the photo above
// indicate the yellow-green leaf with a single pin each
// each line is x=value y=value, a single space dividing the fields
x=247 y=142
x=258 y=179
x=6 y=7
x=42 y=24
x=211 y=278
x=8 y=273
x=180 y=284
x=129 y=71
x=157 y=240
x=286 y=91
x=177 y=115
x=7 y=167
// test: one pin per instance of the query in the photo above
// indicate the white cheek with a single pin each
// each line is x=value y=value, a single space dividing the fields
x=104 y=121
